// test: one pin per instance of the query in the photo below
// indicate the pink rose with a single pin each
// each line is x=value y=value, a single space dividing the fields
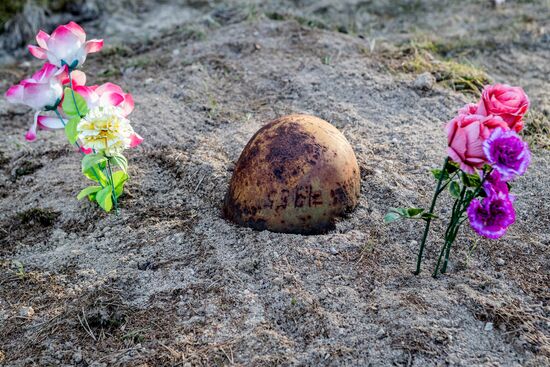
x=66 y=45
x=466 y=134
x=510 y=103
x=468 y=109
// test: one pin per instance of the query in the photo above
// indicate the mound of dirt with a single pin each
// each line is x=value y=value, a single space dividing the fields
x=170 y=282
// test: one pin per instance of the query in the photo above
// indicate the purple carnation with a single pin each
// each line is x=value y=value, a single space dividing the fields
x=492 y=216
x=495 y=185
x=507 y=153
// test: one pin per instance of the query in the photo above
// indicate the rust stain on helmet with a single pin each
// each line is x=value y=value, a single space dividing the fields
x=296 y=175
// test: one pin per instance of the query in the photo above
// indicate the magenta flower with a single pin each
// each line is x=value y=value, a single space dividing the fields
x=492 y=216
x=507 y=153
x=494 y=184
x=66 y=45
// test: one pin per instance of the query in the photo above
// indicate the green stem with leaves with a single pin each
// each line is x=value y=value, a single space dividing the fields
x=79 y=147
x=110 y=176
x=108 y=171
x=429 y=219
x=452 y=231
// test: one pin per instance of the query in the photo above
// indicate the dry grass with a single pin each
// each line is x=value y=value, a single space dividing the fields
x=537 y=129
x=420 y=57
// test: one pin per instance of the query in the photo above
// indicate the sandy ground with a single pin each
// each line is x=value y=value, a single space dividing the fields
x=169 y=282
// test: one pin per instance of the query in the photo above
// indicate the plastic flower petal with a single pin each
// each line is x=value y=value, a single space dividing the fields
x=78 y=77
x=491 y=216
x=66 y=45
x=50 y=122
x=106 y=129
x=43 y=89
x=105 y=95
x=135 y=140
x=507 y=153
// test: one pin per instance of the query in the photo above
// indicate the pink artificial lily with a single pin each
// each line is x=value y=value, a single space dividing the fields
x=106 y=95
x=66 y=45
x=43 y=90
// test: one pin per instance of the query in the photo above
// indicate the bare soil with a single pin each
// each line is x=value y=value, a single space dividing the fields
x=169 y=282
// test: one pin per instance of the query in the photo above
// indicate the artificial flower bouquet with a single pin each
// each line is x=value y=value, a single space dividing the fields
x=94 y=117
x=485 y=155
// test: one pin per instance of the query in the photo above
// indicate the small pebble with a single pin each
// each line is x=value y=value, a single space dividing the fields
x=501 y=262
x=26 y=311
x=334 y=251
x=424 y=81
x=77 y=357
x=489 y=326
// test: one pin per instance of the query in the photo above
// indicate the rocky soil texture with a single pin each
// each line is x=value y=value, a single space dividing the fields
x=169 y=282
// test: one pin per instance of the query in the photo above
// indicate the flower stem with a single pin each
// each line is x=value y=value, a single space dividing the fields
x=72 y=92
x=429 y=220
x=79 y=148
x=115 y=201
x=458 y=211
x=451 y=232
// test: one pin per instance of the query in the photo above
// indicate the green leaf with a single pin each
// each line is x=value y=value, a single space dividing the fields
x=471 y=180
x=438 y=173
x=104 y=198
x=119 y=179
x=454 y=189
x=96 y=175
x=452 y=167
x=413 y=212
x=92 y=166
x=69 y=106
x=88 y=191
x=392 y=217
x=399 y=213
x=120 y=161
x=70 y=129
x=92 y=160
x=428 y=216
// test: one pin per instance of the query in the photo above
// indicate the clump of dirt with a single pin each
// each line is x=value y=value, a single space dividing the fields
x=27 y=227
x=44 y=217
x=27 y=167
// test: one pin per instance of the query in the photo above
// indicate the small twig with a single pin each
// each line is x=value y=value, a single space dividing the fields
x=200 y=182
x=87 y=326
